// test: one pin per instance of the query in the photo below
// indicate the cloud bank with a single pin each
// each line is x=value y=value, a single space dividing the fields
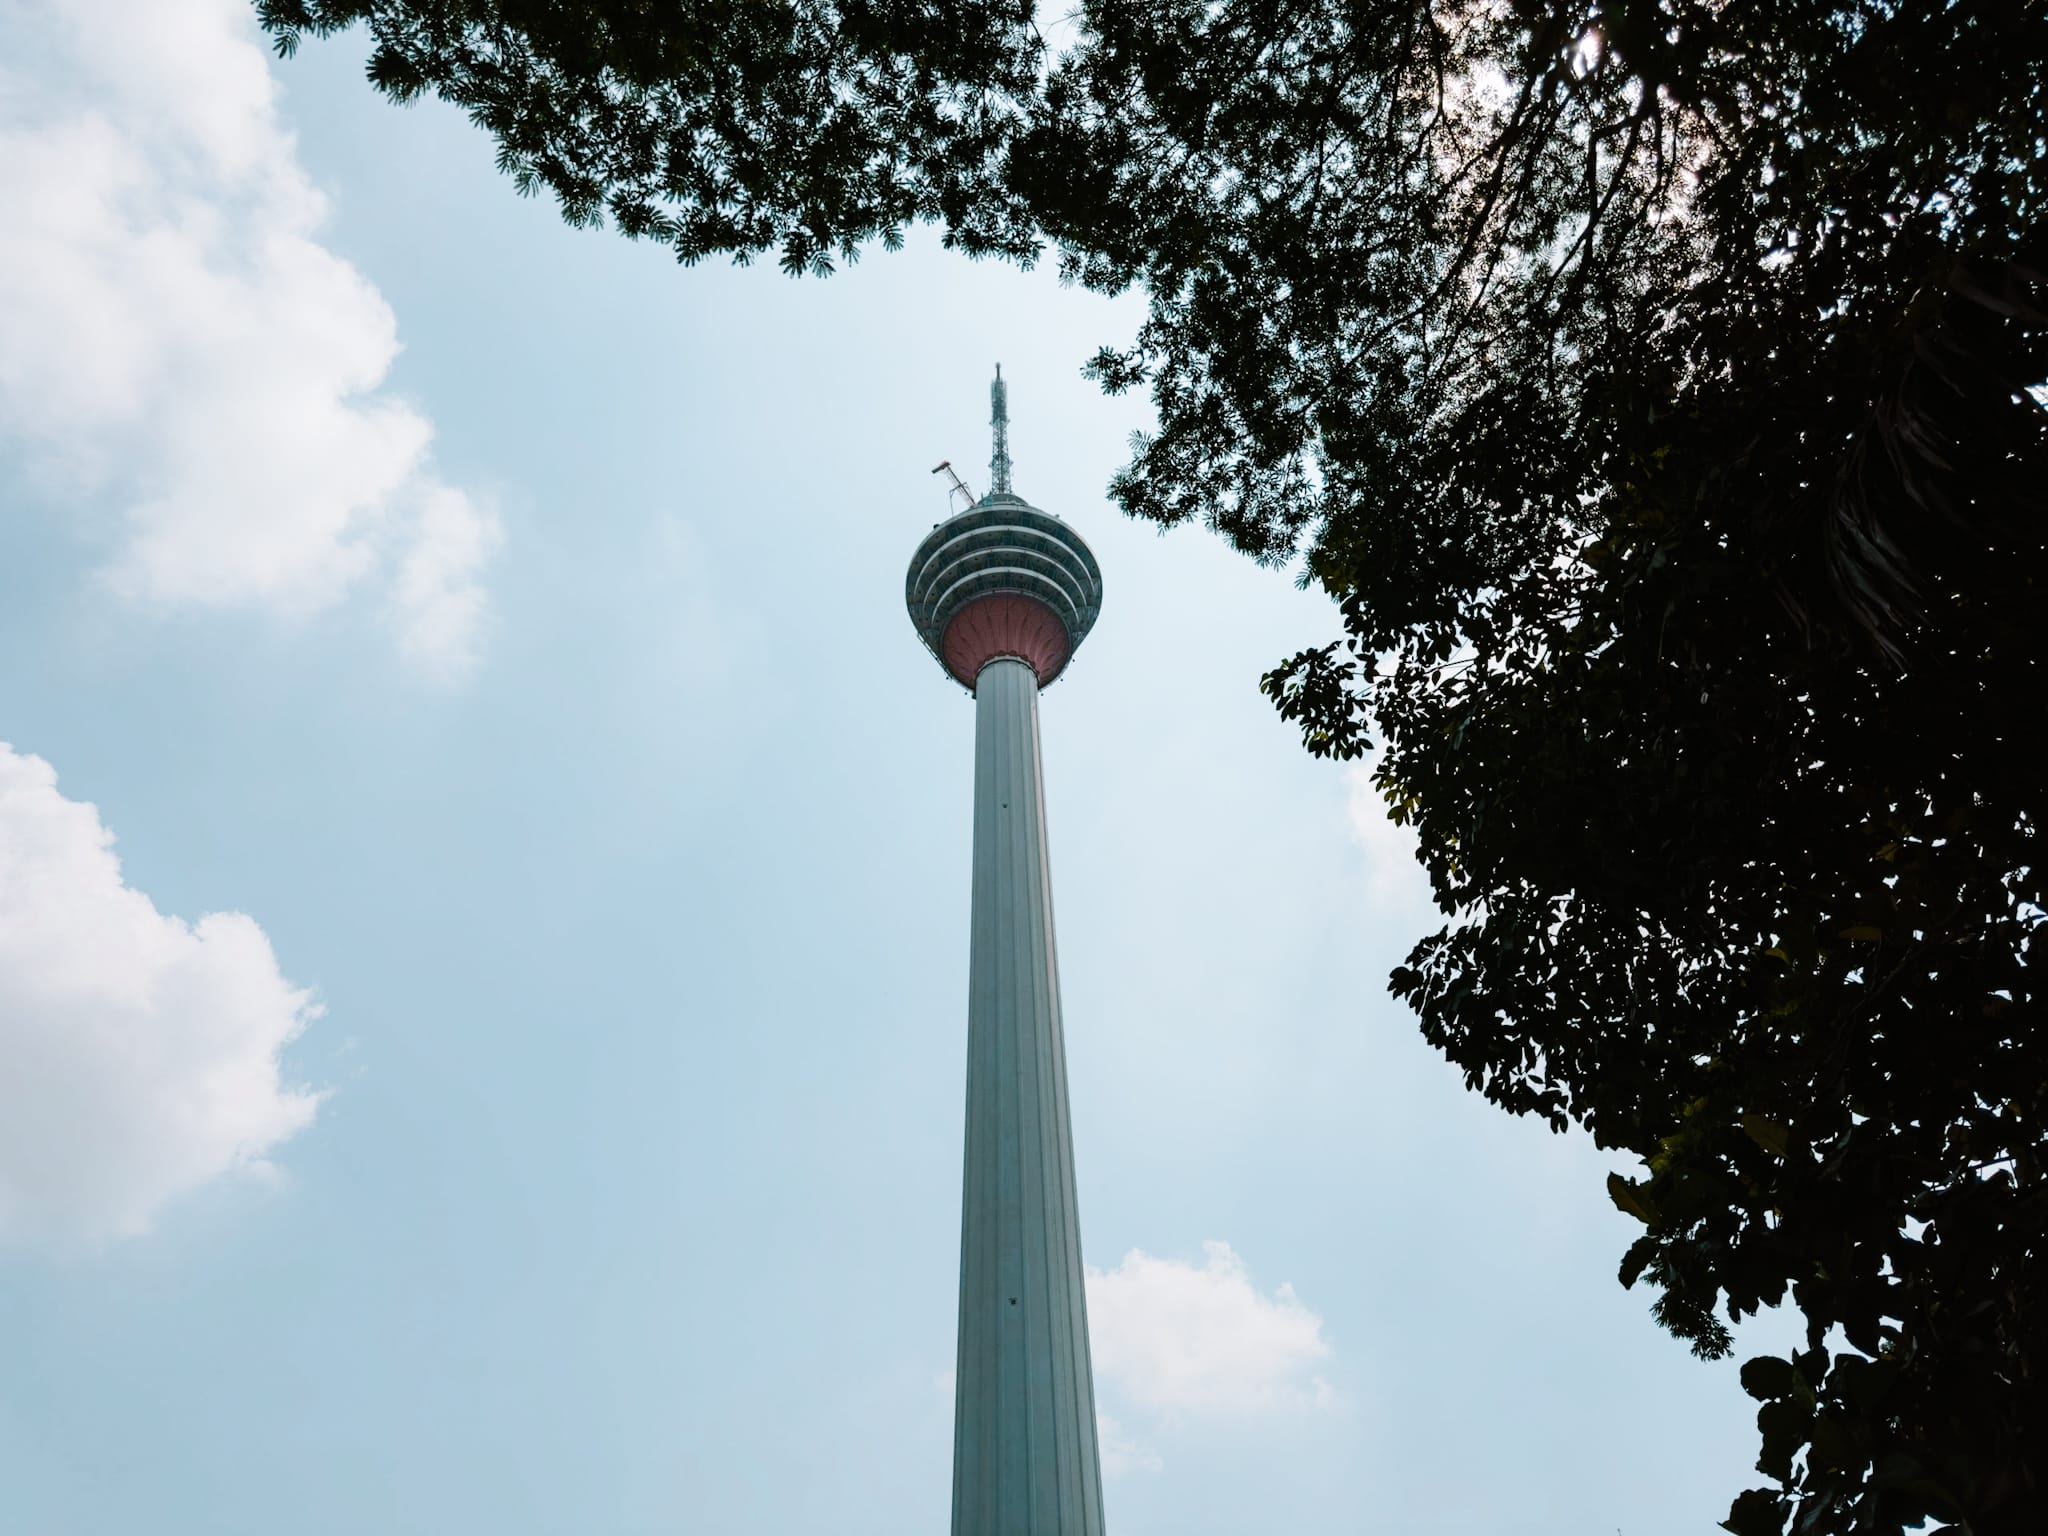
x=181 y=354
x=141 y=1052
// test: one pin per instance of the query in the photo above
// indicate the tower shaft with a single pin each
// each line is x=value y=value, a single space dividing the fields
x=1025 y=1461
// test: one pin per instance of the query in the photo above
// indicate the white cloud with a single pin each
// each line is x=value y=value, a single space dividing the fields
x=1396 y=885
x=436 y=600
x=178 y=347
x=1174 y=1337
x=141 y=1051
x=1120 y=1453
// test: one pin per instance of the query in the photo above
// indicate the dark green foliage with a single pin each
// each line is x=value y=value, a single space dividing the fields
x=1656 y=386
x=728 y=126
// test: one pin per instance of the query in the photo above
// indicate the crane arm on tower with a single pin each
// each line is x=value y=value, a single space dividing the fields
x=958 y=487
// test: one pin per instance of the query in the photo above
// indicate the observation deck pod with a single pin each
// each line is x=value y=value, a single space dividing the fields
x=1003 y=579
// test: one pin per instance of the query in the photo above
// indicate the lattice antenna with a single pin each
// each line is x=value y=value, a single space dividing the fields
x=999 y=419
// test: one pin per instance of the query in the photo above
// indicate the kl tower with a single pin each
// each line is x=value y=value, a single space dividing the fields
x=1002 y=594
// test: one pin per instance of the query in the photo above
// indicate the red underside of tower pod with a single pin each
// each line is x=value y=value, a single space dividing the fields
x=1005 y=624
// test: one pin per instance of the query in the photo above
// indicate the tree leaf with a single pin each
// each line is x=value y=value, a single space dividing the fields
x=1766 y=1377
x=1766 y=1133
x=1757 y=1512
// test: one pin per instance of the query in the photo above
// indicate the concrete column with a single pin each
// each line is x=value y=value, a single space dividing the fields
x=1025 y=1461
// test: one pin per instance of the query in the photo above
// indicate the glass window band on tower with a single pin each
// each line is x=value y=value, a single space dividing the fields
x=1003 y=547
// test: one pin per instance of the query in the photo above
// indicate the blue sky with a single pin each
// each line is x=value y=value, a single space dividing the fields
x=556 y=1129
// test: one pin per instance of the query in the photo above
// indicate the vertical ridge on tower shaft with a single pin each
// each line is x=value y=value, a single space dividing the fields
x=999 y=421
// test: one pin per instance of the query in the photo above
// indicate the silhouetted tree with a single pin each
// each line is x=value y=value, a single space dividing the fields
x=1656 y=386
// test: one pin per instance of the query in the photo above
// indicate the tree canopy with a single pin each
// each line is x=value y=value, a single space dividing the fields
x=1657 y=387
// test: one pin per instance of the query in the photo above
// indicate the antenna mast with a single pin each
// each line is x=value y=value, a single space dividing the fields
x=999 y=420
